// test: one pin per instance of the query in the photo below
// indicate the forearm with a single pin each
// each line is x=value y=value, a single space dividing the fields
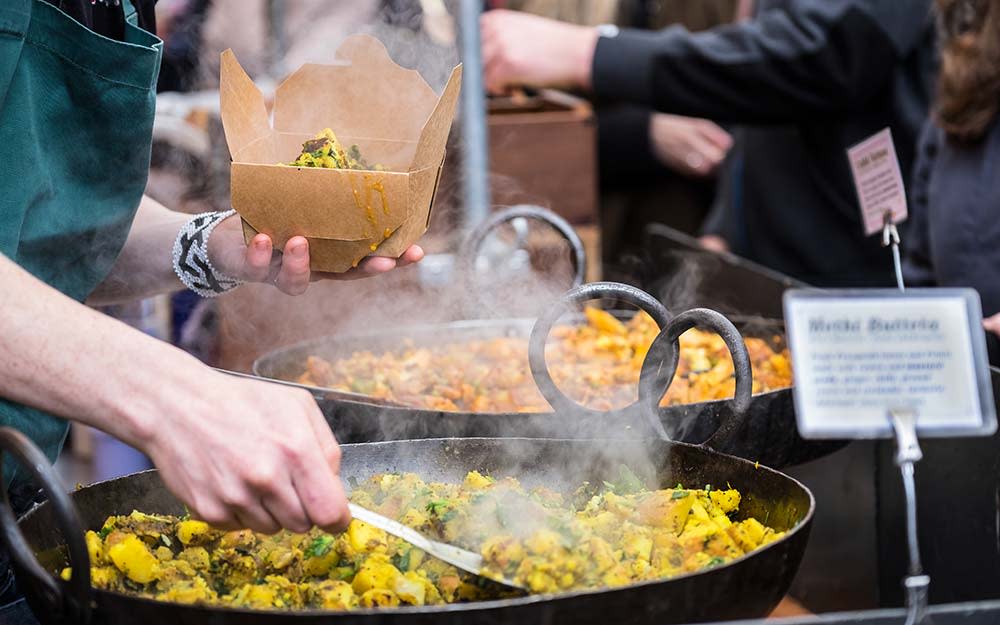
x=816 y=58
x=61 y=357
x=144 y=267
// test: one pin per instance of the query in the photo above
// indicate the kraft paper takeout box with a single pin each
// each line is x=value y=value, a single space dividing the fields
x=390 y=112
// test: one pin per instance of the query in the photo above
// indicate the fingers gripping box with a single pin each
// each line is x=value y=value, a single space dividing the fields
x=390 y=113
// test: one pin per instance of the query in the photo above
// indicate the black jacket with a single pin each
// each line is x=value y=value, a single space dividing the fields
x=954 y=234
x=811 y=78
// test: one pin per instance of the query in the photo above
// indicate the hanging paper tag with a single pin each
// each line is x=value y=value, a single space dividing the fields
x=857 y=354
x=878 y=181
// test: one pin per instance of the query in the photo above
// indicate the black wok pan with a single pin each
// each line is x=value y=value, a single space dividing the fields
x=748 y=587
x=767 y=433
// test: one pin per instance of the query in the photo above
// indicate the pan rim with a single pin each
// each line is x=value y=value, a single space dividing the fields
x=473 y=606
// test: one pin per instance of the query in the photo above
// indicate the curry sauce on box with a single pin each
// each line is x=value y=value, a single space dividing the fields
x=390 y=113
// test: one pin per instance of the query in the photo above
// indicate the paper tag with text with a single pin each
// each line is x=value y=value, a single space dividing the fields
x=857 y=354
x=878 y=181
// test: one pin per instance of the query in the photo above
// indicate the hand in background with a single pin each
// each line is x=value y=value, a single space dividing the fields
x=520 y=49
x=714 y=243
x=992 y=324
x=689 y=146
x=288 y=271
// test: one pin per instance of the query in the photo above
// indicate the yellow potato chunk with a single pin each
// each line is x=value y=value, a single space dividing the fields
x=319 y=566
x=197 y=557
x=189 y=592
x=410 y=588
x=192 y=532
x=334 y=595
x=726 y=500
x=379 y=598
x=135 y=560
x=666 y=508
x=476 y=480
x=364 y=538
x=376 y=572
x=95 y=548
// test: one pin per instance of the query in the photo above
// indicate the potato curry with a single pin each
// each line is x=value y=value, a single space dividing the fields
x=605 y=535
x=596 y=363
x=326 y=151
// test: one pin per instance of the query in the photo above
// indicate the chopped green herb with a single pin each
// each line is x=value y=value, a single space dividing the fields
x=402 y=561
x=319 y=546
x=107 y=529
x=679 y=494
x=342 y=573
x=437 y=506
x=628 y=483
x=716 y=561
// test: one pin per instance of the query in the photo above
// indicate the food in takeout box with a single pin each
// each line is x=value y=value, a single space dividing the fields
x=326 y=151
x=390 y=113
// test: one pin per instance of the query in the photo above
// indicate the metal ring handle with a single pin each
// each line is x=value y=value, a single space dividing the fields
x=584 y=293
x=64 y=602
x=470 y=247
x=661 y=361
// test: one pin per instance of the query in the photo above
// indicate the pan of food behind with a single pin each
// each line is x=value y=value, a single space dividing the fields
x=769 y=434
x=744 y=587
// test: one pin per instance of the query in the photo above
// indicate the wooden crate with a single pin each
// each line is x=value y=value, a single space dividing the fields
x=543 y=150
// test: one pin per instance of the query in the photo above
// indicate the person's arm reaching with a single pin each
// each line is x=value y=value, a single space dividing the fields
x=239 y=453
x=816 y=57
x=144 y=266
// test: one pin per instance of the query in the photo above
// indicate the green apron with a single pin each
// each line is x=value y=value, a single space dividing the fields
x=76 y=118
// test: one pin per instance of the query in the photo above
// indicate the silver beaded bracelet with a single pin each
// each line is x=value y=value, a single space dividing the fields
x=191 y=262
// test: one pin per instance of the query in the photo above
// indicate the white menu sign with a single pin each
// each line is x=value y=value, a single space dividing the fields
x=878 y=180
x=859 y=354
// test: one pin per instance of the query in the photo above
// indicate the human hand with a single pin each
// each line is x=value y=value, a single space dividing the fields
x=288 y=271
x=530 y=51
x=992 y=324
x=714 y=243
x=693 y=147
x=246 y=454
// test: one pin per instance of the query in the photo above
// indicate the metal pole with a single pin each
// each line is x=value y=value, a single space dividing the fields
x=476 y=190
x=276 y=31
x=908 y=453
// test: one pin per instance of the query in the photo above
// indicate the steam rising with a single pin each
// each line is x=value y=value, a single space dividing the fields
x=257 y=318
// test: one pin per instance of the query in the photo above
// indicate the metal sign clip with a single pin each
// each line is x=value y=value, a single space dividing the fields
x=890 y=237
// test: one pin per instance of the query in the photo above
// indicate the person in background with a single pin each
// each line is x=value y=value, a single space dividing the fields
x=656 y=167
x=806 y=78
x=954 y=235
x=77 y=97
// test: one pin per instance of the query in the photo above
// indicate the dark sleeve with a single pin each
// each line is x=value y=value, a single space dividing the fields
x=813 y=57
x=918 y=265
x=623 y=144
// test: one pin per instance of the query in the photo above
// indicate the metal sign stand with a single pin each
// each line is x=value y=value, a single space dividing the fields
x=908 y=453
x=890 y=237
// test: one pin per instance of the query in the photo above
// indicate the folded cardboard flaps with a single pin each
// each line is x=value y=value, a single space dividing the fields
x=390 y=112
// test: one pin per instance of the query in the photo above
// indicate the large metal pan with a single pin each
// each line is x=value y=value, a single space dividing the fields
x=748 y=587
x=766 y=434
